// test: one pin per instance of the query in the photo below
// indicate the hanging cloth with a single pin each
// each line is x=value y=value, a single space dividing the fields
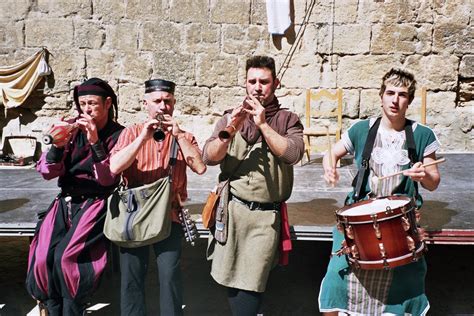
x=278 y=15
x=18 y=82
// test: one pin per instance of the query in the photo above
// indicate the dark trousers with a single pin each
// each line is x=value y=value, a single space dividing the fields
x=134 y=265
x=244 y=303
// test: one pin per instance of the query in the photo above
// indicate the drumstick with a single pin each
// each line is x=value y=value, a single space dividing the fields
x=329 y=148
x=326 y=124
x=423 y=165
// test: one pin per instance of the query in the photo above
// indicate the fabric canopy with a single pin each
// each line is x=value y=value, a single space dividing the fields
x=18 y=82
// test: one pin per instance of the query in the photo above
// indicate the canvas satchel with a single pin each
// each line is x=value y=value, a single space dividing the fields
x=141 y=216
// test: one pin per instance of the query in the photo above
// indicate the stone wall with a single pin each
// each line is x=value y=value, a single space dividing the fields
x=202 y=45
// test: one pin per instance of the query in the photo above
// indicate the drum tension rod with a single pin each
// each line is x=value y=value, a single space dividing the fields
x=378 y=234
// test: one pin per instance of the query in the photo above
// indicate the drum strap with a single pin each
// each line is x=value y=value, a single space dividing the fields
x=363 y=173
x=411 y=148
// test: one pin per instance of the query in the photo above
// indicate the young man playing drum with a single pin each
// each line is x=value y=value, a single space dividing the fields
x=398 y=144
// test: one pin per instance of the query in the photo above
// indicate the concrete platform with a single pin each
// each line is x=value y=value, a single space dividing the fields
x=447 y=214
x=292 y=290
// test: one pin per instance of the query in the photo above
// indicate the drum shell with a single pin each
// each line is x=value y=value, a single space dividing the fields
x=393 y=236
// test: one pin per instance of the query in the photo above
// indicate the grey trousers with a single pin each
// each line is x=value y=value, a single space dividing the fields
x=134 y=266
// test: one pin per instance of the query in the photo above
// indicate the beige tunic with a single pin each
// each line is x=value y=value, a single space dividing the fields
x=251 y=250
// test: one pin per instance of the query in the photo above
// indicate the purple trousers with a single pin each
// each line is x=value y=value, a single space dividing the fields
x=68 y=254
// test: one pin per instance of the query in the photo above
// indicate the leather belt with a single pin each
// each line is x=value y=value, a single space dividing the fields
x=257 y=206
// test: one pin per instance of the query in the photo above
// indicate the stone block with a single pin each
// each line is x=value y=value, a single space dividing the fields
x=185 y=11
x=440 y=108
x=145 y=10
x=387 y=11
x=130 y=118
x=466 y=69
x=258 y=13
x=466 y=91
x=424 y=11
x=304 y=72
x=130 y=96
x=200 y=126
x=465 y=120
x=60 y=102
x=192 y=100
x=458 y=12
x=109 y=11
x=123 y=36
x=52 y=33
x=300 y=9
x=11 y=34
x=163 y=36
x=14 y=10
x=88 y=34
x=401 y=38
x=135 y=66
x=235 y=37
x=325 y=37
x=346 y=11
x=216 y=70
x=202 y=38
x=230 y=12
x=67 y=65
x=364 y=71
x=350 y=103
x=453 y=38
x=175 y=67
x=322 y=12
x=370 y=103
x=434 y=71
x=100 y=62
x=222 y=99
x=292 y=99
x=309 y=42
x=351 y=39
x=65 y=8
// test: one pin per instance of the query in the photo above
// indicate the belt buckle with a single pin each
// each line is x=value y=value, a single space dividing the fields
x=251 y=205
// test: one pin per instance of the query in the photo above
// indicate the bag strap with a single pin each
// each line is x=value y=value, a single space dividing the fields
x=410 y=142
x=247 y=151
x=173 y=156
x=363 y=172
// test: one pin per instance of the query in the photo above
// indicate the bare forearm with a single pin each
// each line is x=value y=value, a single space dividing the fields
x=216 y=150
x=432 y=178
x=191 y=155
x=277 y=143
x=125 y=157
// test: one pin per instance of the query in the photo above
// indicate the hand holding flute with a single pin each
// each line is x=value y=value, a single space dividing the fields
x=238 y=116
x=60 y=133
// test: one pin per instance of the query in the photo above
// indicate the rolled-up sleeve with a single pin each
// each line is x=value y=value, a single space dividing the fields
x=295 y=150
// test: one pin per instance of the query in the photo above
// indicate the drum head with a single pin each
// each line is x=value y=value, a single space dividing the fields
x=373 y=206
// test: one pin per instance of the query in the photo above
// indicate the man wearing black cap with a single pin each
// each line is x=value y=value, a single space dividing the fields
x=69 y=251
x=142 y=158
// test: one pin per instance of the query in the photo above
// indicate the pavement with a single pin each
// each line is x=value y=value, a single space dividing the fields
x=291 y=290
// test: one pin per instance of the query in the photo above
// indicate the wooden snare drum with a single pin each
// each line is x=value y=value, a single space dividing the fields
x=380 y=233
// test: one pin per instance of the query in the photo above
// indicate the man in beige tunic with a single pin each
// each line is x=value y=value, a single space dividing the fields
x=265 y=142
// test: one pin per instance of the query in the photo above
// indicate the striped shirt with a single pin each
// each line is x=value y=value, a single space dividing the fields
x=152 y=161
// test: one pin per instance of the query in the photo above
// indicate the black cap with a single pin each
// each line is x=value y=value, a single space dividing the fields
x=95 y=86
x=159 y=85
